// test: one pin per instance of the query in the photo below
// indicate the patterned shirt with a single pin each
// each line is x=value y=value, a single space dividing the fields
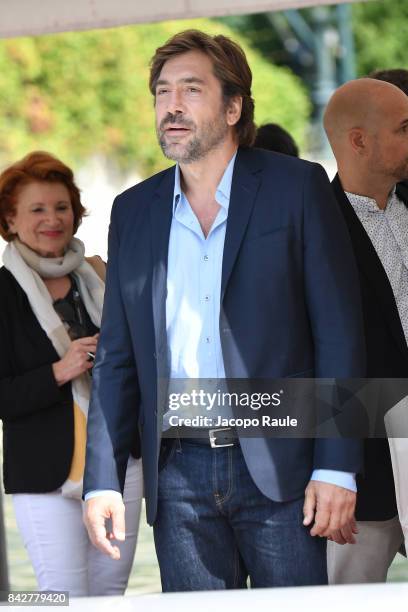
x=388 y=232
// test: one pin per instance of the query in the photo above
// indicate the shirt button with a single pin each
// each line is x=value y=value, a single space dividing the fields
x=208 y=339
x=205 y=257
x=207 y=298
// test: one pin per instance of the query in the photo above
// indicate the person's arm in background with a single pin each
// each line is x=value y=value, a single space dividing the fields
x=113 y=411
x=333 y=299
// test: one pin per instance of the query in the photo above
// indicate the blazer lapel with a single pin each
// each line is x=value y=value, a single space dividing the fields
x=244 y=189
x=160 y=222
x=370 y=265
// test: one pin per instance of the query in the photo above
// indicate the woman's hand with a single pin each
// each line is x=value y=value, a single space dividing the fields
x=76 y=361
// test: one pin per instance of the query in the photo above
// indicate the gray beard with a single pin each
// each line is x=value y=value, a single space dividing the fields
x=197 y=148
x=192 y=153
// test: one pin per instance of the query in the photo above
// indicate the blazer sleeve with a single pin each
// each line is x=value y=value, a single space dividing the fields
x=333 y=297
x=114 y=405
x=24 y=393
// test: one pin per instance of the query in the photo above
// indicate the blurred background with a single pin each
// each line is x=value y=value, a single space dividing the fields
x=83 y=96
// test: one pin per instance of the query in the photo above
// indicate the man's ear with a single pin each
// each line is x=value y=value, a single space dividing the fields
x=358 y=139
x=234 y=110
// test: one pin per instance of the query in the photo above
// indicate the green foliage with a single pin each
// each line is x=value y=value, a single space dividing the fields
x=77 y=94
x=381 y=34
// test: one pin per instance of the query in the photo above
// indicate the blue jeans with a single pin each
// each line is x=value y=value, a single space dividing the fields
x=214 y=528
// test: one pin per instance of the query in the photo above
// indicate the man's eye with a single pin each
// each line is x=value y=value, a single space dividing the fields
x=160 y=92
x=193 y=89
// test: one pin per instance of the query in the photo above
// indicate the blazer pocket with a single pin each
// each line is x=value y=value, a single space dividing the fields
x=271 y=234
x=303 y=374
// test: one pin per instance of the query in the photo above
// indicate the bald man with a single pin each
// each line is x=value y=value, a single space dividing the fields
x=366 y=122
x=399 y=78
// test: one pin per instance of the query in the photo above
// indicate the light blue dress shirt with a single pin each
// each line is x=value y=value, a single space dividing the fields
x=193 y=298
x=194 y=270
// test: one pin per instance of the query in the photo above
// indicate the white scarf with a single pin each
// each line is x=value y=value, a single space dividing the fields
x=28 y=268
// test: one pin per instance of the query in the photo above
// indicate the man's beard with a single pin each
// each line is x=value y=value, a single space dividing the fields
x=213 y=133
x=396 y=173
x=382 y=164
x=401 y=172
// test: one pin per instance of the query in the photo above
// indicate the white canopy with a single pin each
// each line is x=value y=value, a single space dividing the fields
x=25 y=17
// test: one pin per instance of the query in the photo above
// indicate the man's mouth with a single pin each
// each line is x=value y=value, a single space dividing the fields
x=176 y=130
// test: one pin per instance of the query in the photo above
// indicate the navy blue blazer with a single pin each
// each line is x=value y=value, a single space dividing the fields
x=290 y=306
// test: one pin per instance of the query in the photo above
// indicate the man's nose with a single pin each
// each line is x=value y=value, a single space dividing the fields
x=175 y=102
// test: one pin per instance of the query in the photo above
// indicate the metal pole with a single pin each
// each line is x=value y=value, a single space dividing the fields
x=347 y=67
x=4 y=577
x=326 y=40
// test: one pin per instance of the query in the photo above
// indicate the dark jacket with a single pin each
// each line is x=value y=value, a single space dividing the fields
x=38 y=423
x=290 y=306
x=387 y=357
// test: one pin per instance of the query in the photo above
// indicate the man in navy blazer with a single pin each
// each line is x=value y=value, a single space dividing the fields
x=236 y=263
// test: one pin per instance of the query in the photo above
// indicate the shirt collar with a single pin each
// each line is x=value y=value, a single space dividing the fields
x=364 y=203
x=222 y=193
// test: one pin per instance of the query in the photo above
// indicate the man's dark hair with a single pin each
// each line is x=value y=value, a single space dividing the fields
x=395 y=76
x=274 y=138
x=230 y=68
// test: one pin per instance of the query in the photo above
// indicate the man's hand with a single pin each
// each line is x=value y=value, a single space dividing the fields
x=346 y=534
x=332 y=509
x=97 y=511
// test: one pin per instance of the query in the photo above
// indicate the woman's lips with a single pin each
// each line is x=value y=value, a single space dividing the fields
x=52 y=233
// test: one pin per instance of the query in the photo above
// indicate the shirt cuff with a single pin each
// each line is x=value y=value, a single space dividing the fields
x=101 y=492
x=341 y=479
